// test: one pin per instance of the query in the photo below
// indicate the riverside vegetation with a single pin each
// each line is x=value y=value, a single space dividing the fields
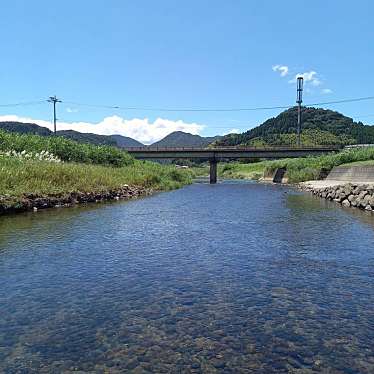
x=298 y=169
x=38 y=172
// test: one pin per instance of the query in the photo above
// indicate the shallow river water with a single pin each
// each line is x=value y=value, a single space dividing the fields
x=230 y=278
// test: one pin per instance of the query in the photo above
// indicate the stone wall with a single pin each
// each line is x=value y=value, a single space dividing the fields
x=349 y=195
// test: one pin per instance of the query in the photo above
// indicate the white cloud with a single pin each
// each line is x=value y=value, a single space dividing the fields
x=309 y=76
x=71 y=110
x=140 y=129
x=326 y=91
x=282 y=69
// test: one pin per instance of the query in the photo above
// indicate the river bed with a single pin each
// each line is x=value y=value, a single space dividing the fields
x=237 y=277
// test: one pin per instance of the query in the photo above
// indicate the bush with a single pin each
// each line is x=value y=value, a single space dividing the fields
x=309 y=168
x=19 y=177
x=65 y=149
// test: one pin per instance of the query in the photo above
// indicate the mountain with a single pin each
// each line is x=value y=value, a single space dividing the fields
x=31 y=128
x=83 y=137
x=319 y=126
x=125 y=141
x=184 y=139
x=25 y=128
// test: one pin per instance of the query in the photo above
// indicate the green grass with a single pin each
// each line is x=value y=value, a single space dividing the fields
x=361 y=163
x=235 y=170
x=65 y=149
x=298 y=169
x=200 y=170
x=309 y=168
x=19 y=177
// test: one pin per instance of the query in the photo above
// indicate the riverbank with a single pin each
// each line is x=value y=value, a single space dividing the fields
x=299 y=169
x=348 y=195
x=39 y=184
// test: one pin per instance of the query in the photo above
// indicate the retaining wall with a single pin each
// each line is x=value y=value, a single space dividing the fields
x=354 y=174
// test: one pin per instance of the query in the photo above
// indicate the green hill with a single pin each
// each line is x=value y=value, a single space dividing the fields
x=319 y=127
x=87 y=137
x=183 y=139
x=25 y=128
x=125 y=141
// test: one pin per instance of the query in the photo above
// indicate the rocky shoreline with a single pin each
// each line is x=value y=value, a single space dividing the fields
x=33 y=202
x=348 y=195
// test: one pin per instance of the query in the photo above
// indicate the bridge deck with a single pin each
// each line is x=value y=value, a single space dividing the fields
x=224 y=153
x=228 y=152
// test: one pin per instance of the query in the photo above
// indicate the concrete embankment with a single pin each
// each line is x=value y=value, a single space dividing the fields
x=351 y=186
x=29 y=202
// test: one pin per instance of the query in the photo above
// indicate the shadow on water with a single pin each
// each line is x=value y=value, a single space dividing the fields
x=45 y=221
x=232 y=278
x=304 y=201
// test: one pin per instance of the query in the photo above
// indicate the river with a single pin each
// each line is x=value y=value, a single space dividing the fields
x=236 y=277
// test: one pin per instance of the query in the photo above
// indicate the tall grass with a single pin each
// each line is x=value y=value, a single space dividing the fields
x=64 y=149
x=298 y=169
x=309 y=168
x=237 y=170
x=19 y=177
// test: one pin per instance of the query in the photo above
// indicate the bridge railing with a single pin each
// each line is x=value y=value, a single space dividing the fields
x=230 y=148
x=354 y=146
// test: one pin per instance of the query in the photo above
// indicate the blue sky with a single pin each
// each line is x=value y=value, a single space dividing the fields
x=190 y=54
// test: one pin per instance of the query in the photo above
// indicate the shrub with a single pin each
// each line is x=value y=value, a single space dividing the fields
x=309 y=168
x=64 y=149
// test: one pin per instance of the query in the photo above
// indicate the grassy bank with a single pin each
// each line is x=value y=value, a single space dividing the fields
x=19 y=177
x=66 y=150
x=299 y=169
x=34 y=167
x=236 y=170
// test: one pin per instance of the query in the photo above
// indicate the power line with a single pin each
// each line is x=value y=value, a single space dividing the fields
x=24 y=103
x=176 y=109
x=162 y=109
x=93 y=105
x=343 y=101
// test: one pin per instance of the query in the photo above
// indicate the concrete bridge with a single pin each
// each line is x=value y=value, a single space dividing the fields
x=214 y=155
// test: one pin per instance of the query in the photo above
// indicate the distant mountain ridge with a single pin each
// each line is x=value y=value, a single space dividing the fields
x=174 y=139
x=319 y=127
x=31 y=128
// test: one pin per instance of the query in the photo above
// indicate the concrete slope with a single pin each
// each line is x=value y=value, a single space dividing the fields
x=352 y=174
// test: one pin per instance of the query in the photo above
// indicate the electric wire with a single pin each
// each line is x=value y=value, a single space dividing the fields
x=161 y=109
x=24 y=103
x=164 y=109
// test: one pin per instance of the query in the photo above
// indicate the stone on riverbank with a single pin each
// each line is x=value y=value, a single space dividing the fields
x=349 y=195
x=35 y=202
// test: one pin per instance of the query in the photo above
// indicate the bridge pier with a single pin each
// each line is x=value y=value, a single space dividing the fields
x=213 y=171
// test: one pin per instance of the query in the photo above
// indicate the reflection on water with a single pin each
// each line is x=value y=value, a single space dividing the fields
x=228 y=278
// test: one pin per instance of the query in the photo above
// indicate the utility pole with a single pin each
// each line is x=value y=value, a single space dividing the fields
x=54 y=100
x=299 y=100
